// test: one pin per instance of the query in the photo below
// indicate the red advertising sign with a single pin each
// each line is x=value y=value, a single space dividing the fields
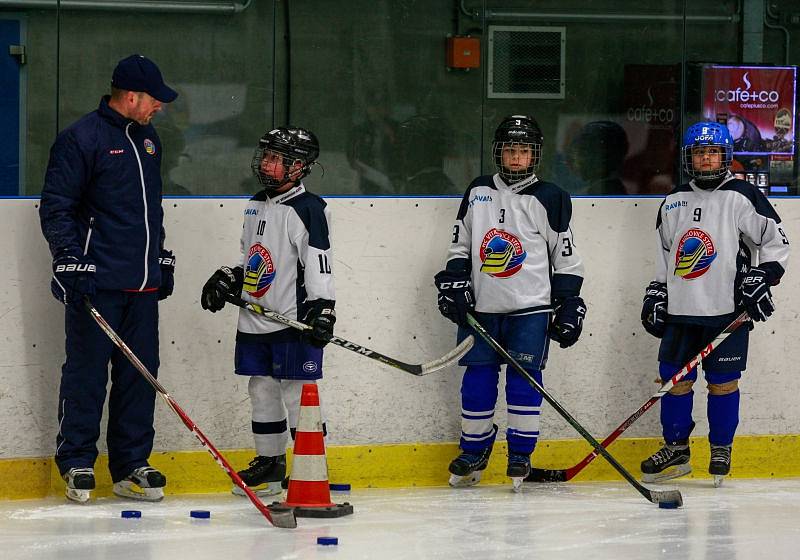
x=757 y=103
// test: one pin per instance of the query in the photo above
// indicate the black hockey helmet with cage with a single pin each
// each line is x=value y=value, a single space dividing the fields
x=519 y=130
x=295 y=145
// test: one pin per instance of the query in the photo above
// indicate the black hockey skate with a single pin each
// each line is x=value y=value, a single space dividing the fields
x=519 y=466
x=264 y=475
x=144 y=483
x=80 y=483
x=720 y=464
x=671 y=461
x=467 y=468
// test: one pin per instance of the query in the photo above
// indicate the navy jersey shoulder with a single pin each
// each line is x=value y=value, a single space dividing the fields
x=260 y=196
x=680 y=188
x=311 y=210
x=755 y=196
x=482 y=181
x=556 y=202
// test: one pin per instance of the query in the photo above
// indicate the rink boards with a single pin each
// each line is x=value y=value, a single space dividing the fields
x=382 y=420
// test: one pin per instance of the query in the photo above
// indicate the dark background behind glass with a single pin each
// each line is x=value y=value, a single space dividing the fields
x=369 y=77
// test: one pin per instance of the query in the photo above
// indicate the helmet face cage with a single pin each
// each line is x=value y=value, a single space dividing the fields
x=295 y=146
x=707 y=134
x=517 y=131
x=516 y=176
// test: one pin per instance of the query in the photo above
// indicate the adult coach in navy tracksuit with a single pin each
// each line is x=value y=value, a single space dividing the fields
x=102 y=217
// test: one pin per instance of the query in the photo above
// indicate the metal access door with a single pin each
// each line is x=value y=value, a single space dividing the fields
x=11 y=60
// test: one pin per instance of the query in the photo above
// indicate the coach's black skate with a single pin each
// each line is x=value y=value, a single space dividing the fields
x=144 y=483
x=264 y=475
x=519 y=466
x=720 y=464
x=671 y=461
x=80 y=483
x=467 y=468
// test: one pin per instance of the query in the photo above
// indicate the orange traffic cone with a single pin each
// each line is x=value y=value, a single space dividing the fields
x=309 y=493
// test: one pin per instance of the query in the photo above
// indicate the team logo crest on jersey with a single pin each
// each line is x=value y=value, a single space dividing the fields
x=149 y=147
x=501 y=253
x=695 y=254
x=259 y=272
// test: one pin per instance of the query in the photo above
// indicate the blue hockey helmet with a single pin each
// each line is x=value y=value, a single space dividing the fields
x=707 y=134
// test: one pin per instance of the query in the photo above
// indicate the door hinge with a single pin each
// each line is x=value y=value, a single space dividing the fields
x=19 y=52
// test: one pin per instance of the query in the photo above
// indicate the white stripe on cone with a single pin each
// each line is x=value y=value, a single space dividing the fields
x=309 y=468
x=310 y=419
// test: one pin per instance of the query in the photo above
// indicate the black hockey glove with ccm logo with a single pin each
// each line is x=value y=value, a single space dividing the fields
x=654 y=309
x=225 y=281
x=756 y=296
x=320 y=317
x=567 y=321
x=456 y=298
x=73 y=278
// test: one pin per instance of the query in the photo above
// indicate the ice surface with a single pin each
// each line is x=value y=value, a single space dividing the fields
x=744 y=519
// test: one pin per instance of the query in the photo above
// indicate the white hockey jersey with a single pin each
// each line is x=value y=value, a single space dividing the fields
x=286 y=256
x=706 y=241
x=513 y=239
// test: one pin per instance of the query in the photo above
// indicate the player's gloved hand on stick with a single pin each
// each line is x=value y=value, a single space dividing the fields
x=756 y=295
x=654 y=309
x=225 y=281
x=73 y=278
x=567 y=321
x=456 y=298
x=166 y=261
x=321 y=318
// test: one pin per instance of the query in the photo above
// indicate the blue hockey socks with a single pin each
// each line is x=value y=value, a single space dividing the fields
x=676 y=410
x=723 y=406
x=524 y=410
x=478 y=399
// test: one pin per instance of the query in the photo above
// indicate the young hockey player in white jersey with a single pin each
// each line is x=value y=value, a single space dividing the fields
x=512 y=260
x=285 y=267
x=705 y=274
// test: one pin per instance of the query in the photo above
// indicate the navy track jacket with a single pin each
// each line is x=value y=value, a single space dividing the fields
x=102 y=198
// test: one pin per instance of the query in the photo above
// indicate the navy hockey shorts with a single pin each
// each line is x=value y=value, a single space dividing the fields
x=281 y=360
x=681 y=342
x=524 y=337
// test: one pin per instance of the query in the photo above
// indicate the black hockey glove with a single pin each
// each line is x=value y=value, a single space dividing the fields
x=73 y=278
x=567 y=321
x=456 y=298
x=225 y=281
x=654 y=309
x=321 y=318
x=166 y=261
x=756 y=296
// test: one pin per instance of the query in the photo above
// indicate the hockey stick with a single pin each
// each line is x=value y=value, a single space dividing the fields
x=415 y=369
x=279 y=516
x=671 y=497
x=563 y=475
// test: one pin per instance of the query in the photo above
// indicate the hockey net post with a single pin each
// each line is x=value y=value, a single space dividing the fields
x=414 y=369
x=278 y=516
x=672 y=496
x=563 y=475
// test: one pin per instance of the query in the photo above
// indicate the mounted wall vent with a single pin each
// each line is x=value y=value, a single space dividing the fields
x=526 y=62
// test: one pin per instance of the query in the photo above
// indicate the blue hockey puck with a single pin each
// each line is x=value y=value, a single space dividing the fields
x=669 y=505
x=328 y=541
x=131 y=513
x=200 y=514
x=340 y=487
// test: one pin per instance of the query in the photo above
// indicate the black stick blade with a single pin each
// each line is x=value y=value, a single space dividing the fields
x=671 y=497
x=546 y=475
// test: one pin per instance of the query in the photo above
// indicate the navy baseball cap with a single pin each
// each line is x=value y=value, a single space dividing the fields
x=139 y=73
